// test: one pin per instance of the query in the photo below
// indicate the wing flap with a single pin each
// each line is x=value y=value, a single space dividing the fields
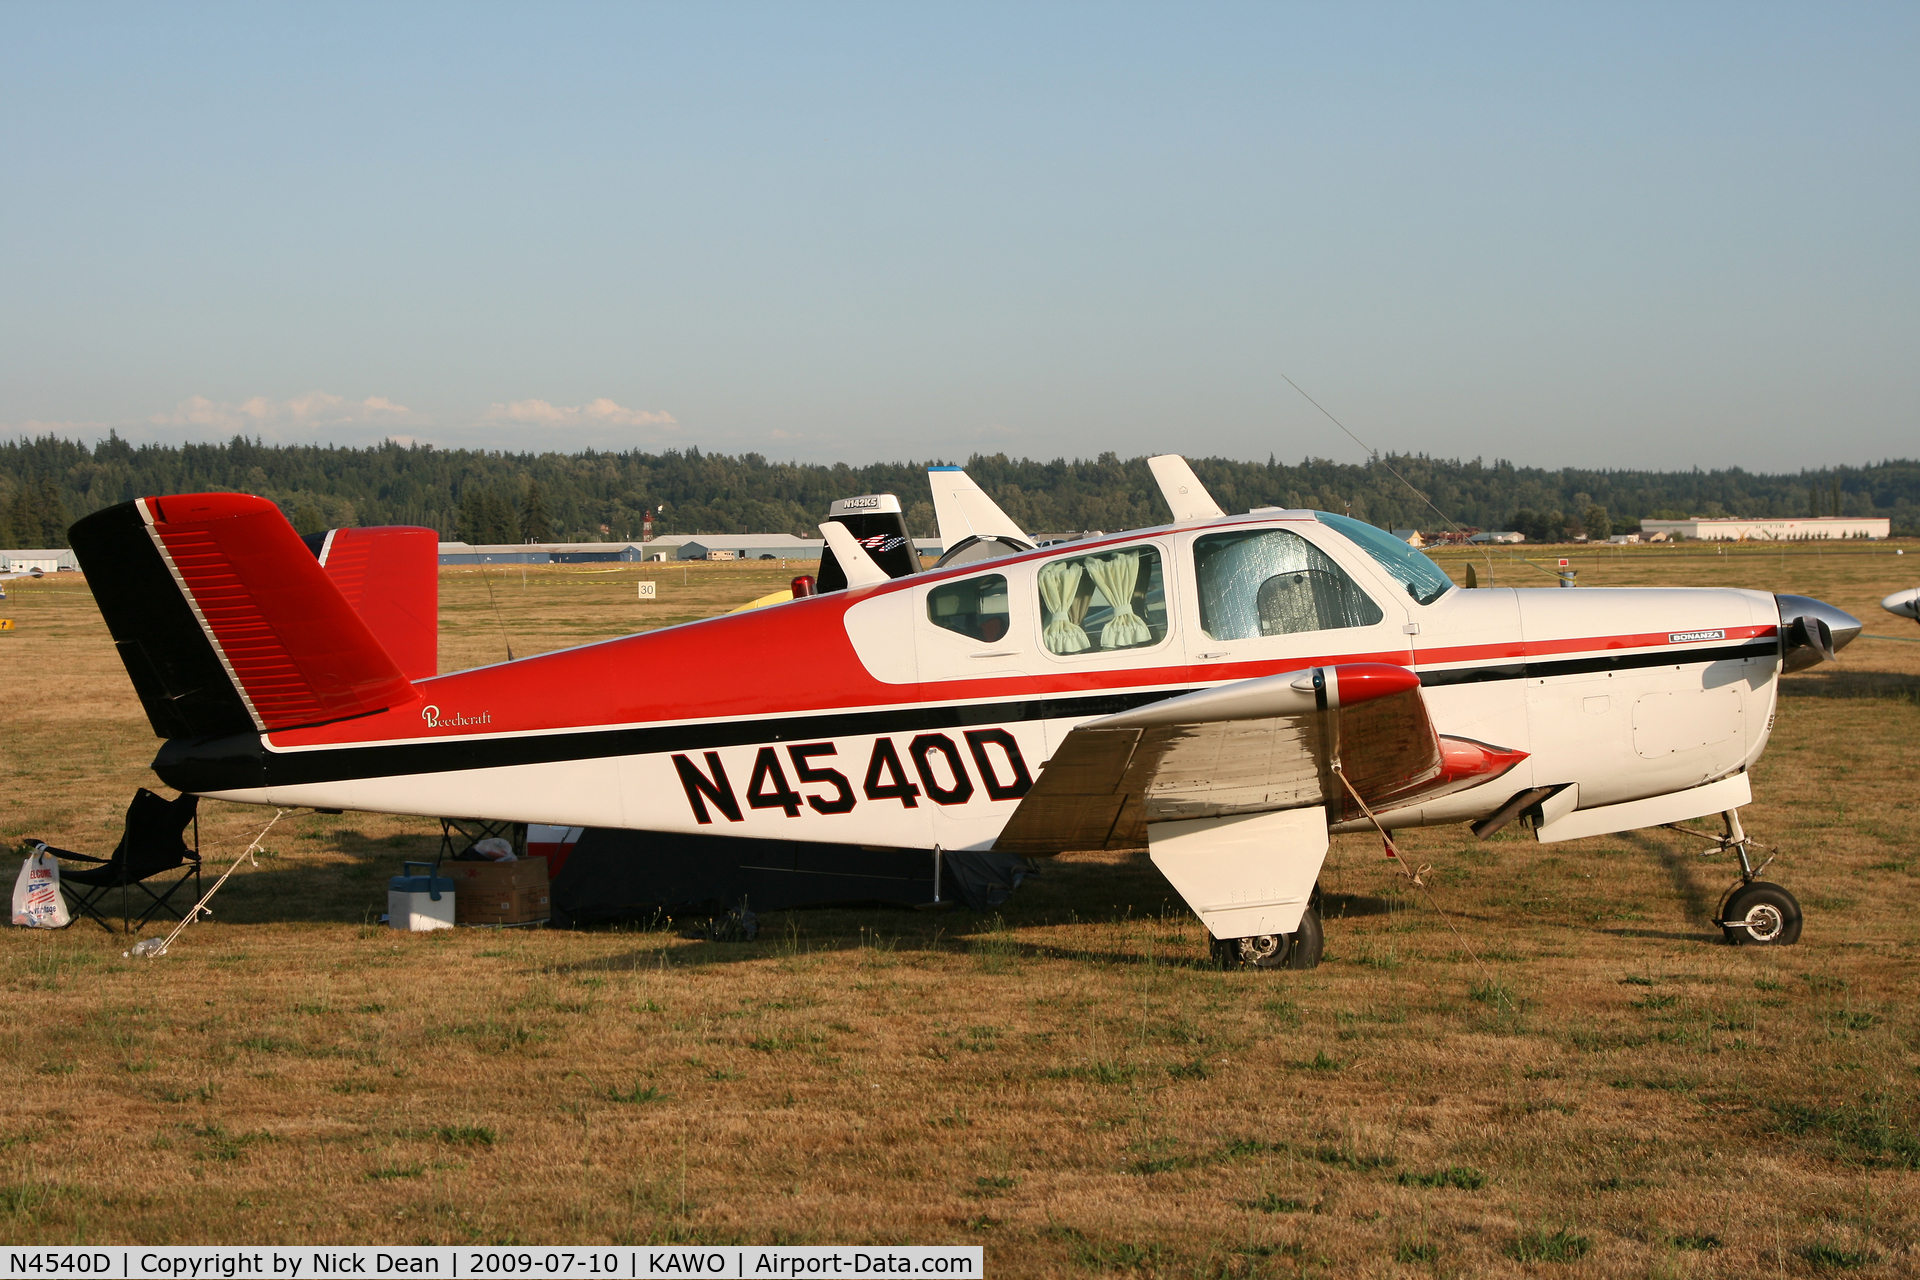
x=1257 y=746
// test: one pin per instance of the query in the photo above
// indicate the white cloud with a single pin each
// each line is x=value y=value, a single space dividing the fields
x=596 y=413
x=328 y=418
x=277 y=418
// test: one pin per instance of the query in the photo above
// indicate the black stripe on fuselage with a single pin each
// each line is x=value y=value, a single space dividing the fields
x=241 y=762
x=1596 y=663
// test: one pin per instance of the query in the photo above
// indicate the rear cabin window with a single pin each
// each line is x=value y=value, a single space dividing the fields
x=975 y=607
x=1100 y=603
x=1268 y=582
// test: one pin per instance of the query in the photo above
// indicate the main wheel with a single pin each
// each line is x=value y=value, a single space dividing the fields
x=1297 y=950
x=1264 y=951
x=1305 y=943
x=1761 y=915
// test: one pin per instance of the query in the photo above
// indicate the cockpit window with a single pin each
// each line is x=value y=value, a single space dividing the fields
x=1269 y=582
x=1099 y=603
x=975 y=607
x=1423 y=579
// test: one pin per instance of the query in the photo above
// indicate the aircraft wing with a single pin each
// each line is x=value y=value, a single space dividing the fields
x=1255 y=746
x=22 y=573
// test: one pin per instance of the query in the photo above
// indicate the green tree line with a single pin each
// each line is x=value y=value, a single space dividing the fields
x=481 y=496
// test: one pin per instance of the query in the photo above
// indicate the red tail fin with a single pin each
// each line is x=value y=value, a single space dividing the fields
x=259 y=610
x=390 y=576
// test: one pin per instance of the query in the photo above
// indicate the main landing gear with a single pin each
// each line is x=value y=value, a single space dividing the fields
x=1754 y=912
x=1297 y=950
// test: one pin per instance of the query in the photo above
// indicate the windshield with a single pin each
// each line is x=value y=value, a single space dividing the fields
x=1423 y=579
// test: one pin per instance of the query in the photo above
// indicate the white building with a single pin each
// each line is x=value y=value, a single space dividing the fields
x=677 y=546
x=747 y=546
x=1805 y=529
x=45 y=559
x=1496 y=535
x=764 y=546
x=551 y=552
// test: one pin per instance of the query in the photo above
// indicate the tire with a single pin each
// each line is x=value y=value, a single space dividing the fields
x=1297 y=950
x=1306 y=942
x=1760 y=915
x=1265 y=951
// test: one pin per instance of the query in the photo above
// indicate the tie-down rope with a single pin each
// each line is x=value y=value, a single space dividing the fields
x=1418 y=877
x=153 y=952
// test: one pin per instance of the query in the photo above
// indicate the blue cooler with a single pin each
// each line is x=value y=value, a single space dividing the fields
x=419 y=903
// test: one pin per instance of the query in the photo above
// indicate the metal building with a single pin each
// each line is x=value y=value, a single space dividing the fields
x=1806 y=529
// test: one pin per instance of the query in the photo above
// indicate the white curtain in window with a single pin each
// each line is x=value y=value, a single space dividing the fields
x=1059 y=581
x=1115 y=576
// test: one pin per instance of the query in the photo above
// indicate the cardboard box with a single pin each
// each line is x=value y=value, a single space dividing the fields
x=499 y=893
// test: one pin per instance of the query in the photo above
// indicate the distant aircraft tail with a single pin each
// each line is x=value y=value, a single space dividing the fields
x=875 y=523
x=226 y=622
x=390 y=576
x=963 y=510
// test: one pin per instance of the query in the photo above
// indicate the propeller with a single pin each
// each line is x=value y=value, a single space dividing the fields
x=1812 y=631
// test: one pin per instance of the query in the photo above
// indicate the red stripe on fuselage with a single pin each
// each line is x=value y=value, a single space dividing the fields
x=1510 y=649
x=796 y=658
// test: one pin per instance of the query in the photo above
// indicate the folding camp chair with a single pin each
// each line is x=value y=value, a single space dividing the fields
x=152 y=845
x=458 y=835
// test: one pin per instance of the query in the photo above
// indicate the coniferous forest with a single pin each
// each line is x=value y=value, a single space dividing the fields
x=479 y=496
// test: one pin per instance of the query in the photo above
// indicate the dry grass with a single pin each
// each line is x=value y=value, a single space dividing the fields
x=1605 y=1090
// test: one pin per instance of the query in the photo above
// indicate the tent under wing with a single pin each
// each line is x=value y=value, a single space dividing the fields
x=609 y=875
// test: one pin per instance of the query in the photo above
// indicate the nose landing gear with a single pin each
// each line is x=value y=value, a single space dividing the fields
x=1758 y=914
x=1297 y=950
x=1754 y=912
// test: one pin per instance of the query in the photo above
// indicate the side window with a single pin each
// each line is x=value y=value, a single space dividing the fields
x=975 y=607
x=1268 y=582
x=1099 y=603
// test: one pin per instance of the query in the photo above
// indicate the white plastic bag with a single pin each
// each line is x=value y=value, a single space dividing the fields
x=495 y=848
x=37 y=903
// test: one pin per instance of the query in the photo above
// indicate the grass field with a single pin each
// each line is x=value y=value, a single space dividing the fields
x=1564 y=1074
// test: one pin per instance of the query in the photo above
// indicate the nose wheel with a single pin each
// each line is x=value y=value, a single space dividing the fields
x=1760 y=915
x=1297 y=950
x=1755 y=912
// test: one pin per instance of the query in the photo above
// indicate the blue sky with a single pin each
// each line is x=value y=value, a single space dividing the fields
x=1607 y=235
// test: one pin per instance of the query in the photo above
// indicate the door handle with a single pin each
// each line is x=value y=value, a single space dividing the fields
x=996 y=653
x=1217 y=653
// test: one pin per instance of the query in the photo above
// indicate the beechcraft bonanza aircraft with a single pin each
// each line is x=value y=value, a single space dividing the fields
x=1225 y=690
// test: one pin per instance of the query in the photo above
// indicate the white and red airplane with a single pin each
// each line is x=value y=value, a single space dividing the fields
x=19 y=573
x=1224 y=690
x=1903 y=604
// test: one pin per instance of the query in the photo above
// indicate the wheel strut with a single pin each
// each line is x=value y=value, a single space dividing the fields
x=1732 y=838
x=1736 y=838
x=1753 y=912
